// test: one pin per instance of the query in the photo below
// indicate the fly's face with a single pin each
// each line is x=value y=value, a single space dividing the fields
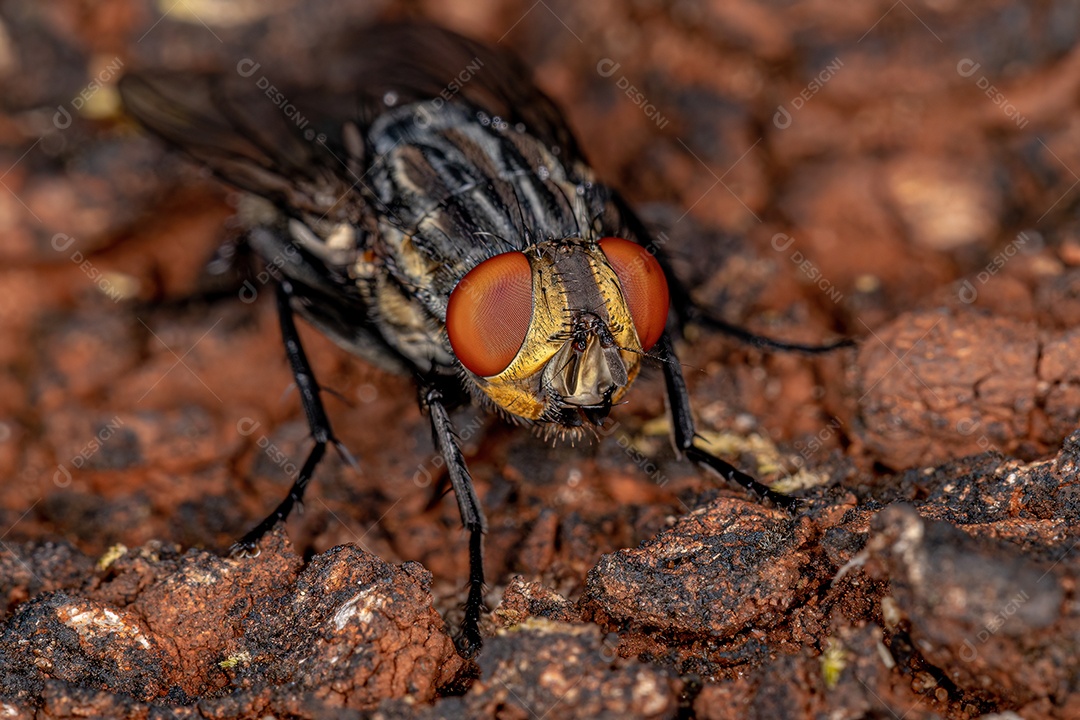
x=556 y=333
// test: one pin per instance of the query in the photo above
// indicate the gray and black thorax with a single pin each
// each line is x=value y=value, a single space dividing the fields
x=442 y=188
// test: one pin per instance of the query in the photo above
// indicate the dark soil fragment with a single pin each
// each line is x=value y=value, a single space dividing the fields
x=523 y=600
x=994 y=621
x=347 y=631
x=354 y=631
x=32 y=568
x=938 y=385
x=723 y=569
x=569 y=671
x=854 y=677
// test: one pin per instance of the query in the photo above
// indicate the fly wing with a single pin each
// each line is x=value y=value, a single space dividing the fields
x=306 y=140
x=235 y=130
x=246 y=139
x=418 y=61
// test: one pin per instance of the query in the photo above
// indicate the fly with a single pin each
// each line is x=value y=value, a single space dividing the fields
x=452 y=231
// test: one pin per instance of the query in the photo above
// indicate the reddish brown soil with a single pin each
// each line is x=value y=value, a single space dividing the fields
x=931 y=571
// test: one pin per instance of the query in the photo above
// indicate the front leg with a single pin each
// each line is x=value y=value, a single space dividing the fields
x=316 y=417
x=684 y=435
x=472 y=517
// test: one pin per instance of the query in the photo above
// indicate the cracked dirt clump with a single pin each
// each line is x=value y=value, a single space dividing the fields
x=943 y=384
x=543 y=668
x=720 y=569
x=994 y=618
x=347 y=630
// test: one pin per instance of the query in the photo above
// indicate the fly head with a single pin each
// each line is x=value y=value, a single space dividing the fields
x=555 y=334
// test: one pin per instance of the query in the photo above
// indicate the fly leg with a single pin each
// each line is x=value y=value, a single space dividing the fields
x=702 y=317
x=472 y=517
x=316 y=417
x=683 y=432
x=687 y=311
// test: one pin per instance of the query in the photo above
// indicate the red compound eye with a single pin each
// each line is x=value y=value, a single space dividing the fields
x=489 y=313
x=644 y=287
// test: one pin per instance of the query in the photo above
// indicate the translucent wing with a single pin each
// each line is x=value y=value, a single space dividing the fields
x=259 y=138
x=418 y=61
x=234 y=129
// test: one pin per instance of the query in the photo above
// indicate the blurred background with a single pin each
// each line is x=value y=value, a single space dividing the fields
x=820 y=169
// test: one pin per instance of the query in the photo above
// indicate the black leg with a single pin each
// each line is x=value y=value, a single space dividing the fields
x=766 y=343
x=683 y=433
x=316 y=417
x=686 y=311
x=472 y=517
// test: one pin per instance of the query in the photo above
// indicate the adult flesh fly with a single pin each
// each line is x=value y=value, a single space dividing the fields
x=445 y=228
